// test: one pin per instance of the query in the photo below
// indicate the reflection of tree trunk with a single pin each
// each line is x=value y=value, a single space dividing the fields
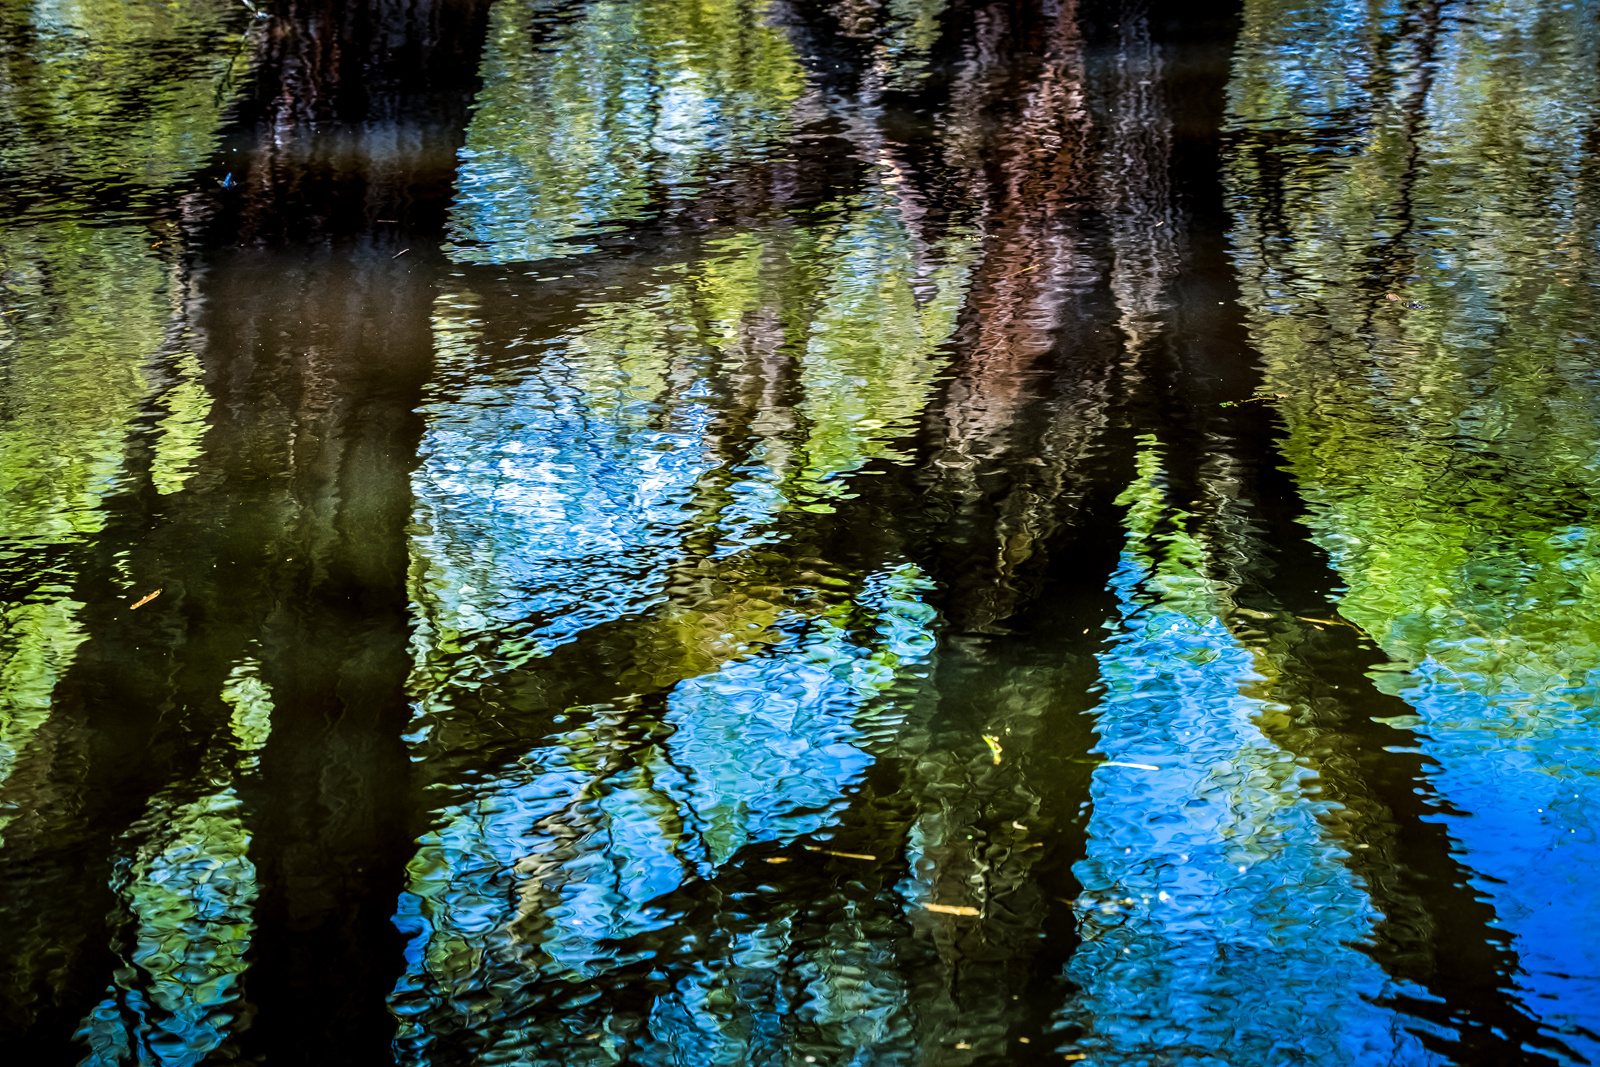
x=1034 y=261
x=1035 y=382
x=315 y=423
x=55 y=876
x=287 y=544
x=354 y=116
x=130 y=719
x=1001 y=837
x=320 y=359
x=1137 y=193
x=997 y=453
x=1435 y=930
x=1395 y=252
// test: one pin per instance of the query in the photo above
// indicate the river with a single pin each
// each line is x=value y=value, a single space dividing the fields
x=722 y=532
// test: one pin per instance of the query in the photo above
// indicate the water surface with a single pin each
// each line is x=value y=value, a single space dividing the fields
x=775 y=533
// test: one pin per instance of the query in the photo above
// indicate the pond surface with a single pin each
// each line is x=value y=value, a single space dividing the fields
x=736 y=532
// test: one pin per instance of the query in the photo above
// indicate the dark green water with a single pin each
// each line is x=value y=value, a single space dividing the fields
x=721 y=533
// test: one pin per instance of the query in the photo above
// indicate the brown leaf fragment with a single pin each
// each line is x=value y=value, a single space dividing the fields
x=952 y=909
x=142 y=601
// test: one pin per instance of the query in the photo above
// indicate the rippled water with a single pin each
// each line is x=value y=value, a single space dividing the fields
x=753 y=532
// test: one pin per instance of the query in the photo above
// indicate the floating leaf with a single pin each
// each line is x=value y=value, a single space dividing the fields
x=952 y=909
x=843 y=855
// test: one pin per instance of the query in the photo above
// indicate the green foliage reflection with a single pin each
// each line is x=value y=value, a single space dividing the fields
x=113 y=99
x=1450 y=452
x=586 y=115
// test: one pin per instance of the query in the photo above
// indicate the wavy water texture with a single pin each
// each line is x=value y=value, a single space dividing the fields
x=590 y=113
x=928 y=533
x=1418 y=261
x=1218 y=913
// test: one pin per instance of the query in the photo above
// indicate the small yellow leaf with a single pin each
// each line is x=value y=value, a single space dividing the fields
x=951 y=909
x=994 y=745
x=845 y=855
